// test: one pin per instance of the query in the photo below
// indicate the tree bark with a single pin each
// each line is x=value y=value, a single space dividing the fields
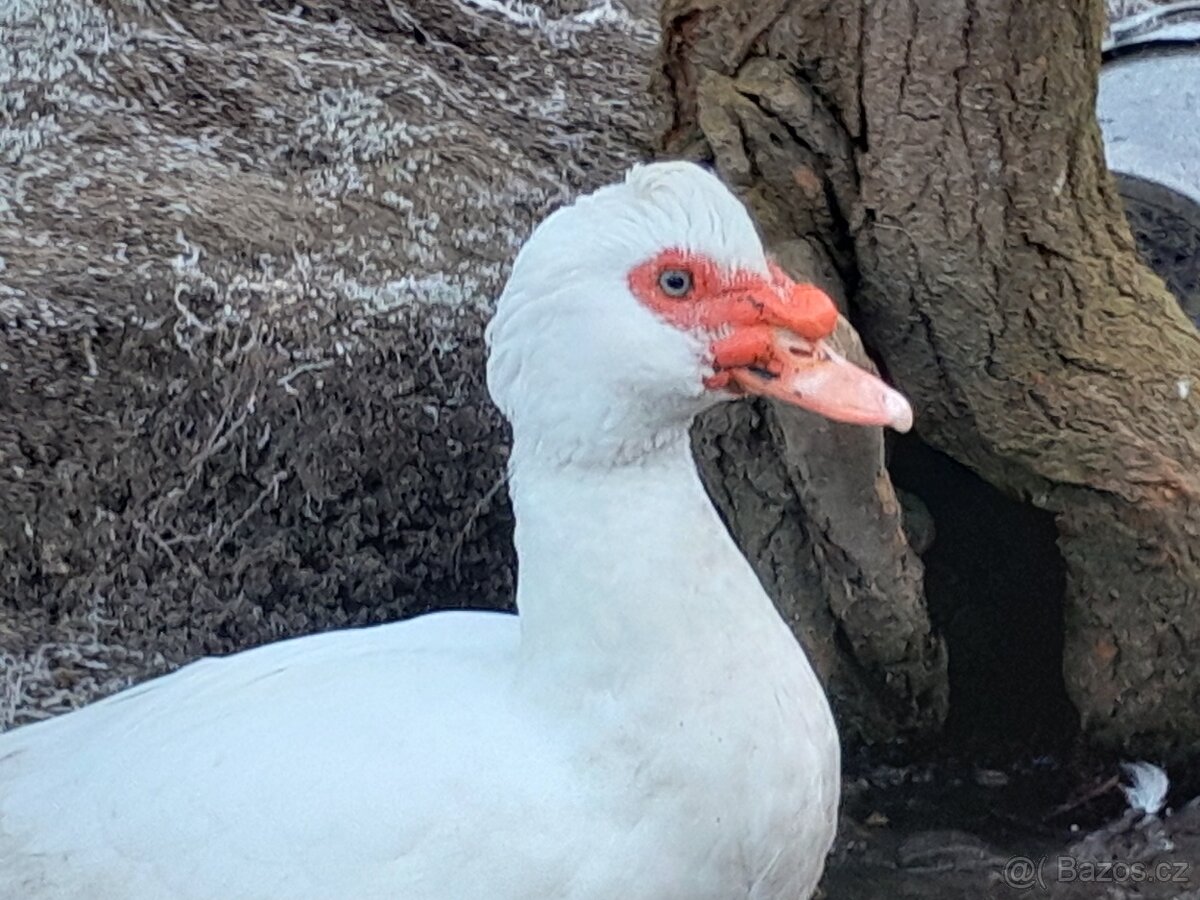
x=944 y=161
x=811 y=504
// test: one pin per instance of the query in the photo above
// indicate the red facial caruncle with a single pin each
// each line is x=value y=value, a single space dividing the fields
x=767 y=336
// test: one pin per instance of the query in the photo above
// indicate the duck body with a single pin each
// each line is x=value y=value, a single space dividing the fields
x=439 y=758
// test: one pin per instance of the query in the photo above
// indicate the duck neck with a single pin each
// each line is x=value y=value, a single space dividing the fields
x=628 y=565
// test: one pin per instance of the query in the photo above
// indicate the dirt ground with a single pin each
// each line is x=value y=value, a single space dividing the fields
x=1041 y=827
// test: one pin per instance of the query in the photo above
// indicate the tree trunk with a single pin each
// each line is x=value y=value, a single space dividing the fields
x=945 y=160
x=812 y=507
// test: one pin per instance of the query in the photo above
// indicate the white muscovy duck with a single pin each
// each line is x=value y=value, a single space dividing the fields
x=647 y=727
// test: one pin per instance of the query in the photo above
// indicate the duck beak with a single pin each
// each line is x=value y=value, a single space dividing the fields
x=811 y=375
x=781 y=350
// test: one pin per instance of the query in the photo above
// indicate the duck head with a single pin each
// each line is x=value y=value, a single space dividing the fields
x=639 y=305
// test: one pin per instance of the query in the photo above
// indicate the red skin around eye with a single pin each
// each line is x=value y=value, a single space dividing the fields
x=737 y=298
x=766 y=337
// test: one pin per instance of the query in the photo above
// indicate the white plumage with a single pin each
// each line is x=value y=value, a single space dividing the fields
x=647 y=728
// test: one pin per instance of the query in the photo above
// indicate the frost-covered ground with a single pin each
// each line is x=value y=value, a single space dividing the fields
x=246 y=251
x=1149 y=107
x=1149 y=110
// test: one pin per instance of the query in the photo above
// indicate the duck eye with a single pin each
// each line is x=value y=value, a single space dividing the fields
x=675 y=282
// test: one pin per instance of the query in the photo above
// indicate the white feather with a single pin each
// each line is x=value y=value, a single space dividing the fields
x=1147 y=788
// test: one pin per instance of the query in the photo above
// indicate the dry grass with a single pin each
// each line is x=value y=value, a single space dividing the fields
x=246 y=251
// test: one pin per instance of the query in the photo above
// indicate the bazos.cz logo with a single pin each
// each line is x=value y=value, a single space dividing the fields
x=1027 y=873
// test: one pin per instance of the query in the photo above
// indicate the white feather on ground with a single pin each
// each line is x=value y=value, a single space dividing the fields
x=1147 y=788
